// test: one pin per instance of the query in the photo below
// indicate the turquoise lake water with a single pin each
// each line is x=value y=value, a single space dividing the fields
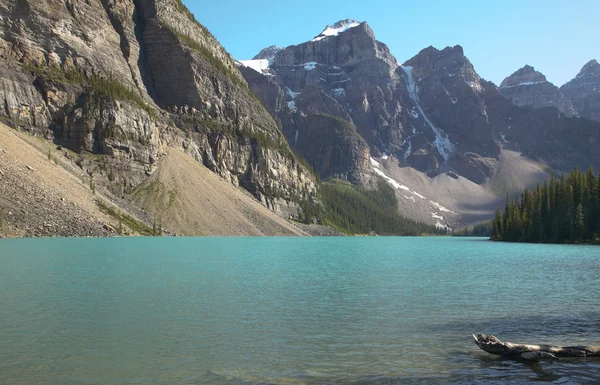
x=247 y=311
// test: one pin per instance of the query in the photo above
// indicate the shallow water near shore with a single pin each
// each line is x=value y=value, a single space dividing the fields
x=367 y=310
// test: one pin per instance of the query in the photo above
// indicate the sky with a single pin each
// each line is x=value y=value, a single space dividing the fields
x=557 y=37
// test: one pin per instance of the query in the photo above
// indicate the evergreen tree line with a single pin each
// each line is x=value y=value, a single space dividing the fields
x=478 y=230
x=565 y=210
x=355 y=211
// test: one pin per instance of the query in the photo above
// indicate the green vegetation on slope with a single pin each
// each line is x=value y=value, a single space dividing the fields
x=183 y=9
x=355 y=211
x=124 y=219
x=208 y=55
x=567 y=210
x=106 y=86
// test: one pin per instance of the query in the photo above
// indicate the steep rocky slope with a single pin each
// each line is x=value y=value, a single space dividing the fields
x=44 y=193
x=39 y=197
x=433 y=114
x=119 y=82
x=528 y=87
x=584 y=91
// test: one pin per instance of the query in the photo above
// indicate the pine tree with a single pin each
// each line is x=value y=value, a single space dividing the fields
x=579 y=225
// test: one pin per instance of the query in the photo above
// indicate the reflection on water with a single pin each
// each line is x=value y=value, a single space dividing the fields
x=291 y=311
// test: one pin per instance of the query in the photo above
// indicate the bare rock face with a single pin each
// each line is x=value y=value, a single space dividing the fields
x=449 y=105
x=124 y=78
x=332 y=145
x=267 y=53
x=528 y=87
x=584 y=91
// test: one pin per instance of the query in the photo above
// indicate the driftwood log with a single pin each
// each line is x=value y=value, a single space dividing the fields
x=532 y=353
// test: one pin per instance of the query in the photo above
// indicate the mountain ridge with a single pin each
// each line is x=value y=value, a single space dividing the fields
x=433 y=113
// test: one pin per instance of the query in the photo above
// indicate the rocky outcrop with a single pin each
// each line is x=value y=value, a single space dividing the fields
x=528 y=87
x=332 y=146
x=584 y=91
x=267 y=53
x=123 y=79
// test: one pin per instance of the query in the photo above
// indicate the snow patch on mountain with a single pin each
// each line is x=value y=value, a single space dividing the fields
x=338 y=91
x=475 y=86
x=524 y=84
x=408 y=150
x=391 y=181
x=291 y=93
x=419 y=195
x=336 y=29
x=440 y=207
x=441 y=142
x=261 y=66
x=310 y=66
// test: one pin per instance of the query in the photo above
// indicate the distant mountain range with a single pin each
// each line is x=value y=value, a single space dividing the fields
x=433 y=114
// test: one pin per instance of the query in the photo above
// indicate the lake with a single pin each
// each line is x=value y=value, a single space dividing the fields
x=364 y=310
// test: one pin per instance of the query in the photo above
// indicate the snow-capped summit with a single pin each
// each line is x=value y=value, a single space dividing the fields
x=337 y=28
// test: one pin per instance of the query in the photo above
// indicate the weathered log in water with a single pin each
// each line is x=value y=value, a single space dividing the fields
x=532 y=353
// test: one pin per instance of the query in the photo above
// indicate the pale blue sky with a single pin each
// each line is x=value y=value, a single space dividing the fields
x=557 y=37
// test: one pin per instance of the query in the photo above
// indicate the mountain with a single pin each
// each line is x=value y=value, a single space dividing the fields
x=528 y=87
x=432 y=126
x=584 y=91
x=267 y=53
x=123 y=84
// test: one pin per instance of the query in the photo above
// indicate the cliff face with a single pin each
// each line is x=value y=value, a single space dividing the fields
x=125 y=78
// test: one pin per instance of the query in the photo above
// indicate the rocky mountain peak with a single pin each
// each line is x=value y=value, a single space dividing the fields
x=525 y=76
x=590 y=68
x=584 y=91
x=267 y=53
x=448 y=62
x=528 y=87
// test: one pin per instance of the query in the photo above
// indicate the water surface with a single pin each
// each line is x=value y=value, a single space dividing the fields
x=290 y=310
